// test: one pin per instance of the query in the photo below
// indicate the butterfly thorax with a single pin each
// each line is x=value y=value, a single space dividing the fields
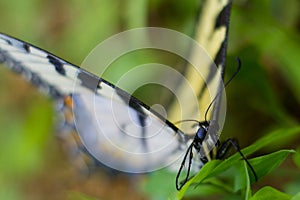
x=203 y=140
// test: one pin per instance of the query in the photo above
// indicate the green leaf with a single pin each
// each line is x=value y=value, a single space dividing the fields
x=203 y=173
x=248 y=192
x=207 y=188
x=262 y=165
x=273 y=139
x=270 y=193
x=296 y=157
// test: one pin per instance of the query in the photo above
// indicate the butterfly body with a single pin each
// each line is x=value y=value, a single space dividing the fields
x=198 y=151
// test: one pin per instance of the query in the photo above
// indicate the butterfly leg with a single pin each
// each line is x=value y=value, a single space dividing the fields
x=225 y=147
x=189 y=152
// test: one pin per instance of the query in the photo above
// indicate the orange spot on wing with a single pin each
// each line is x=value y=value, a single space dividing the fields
x=68 y=109
x=68 y=101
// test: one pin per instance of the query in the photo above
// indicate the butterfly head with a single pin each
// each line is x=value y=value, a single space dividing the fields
x=206 y=133
x=202 y=131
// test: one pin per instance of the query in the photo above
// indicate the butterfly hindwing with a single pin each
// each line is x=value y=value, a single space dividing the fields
x=48 y=72
x=114 y=128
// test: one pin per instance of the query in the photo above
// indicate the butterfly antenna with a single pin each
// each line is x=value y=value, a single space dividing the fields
x=239 y=64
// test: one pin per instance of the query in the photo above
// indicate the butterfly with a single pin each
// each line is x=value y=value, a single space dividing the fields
x=114 y=128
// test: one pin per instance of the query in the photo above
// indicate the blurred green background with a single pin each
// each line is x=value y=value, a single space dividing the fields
x=265 y=96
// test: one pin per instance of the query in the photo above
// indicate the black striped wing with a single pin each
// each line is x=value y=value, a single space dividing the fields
x=115 y=129
x=211 y=33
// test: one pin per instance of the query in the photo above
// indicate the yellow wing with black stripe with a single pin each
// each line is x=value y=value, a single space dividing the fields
x=211 y=33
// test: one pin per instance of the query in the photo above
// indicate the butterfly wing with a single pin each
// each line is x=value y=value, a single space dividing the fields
x=114 y=128
x=211 y=33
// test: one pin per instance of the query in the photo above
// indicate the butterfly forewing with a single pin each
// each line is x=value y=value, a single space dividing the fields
x=211 y=34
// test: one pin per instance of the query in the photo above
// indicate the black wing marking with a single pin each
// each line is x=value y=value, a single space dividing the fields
x=52 y=75
x=211 y=33
x=57 y=78
x=45 y=69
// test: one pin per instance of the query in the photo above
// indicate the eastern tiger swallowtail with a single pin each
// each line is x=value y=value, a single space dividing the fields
x=129 y=122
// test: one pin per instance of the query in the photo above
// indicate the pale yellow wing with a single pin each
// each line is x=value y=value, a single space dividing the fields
x=211 y=33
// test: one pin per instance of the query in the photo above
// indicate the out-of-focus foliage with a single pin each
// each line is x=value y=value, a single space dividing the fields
x=264 y=97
